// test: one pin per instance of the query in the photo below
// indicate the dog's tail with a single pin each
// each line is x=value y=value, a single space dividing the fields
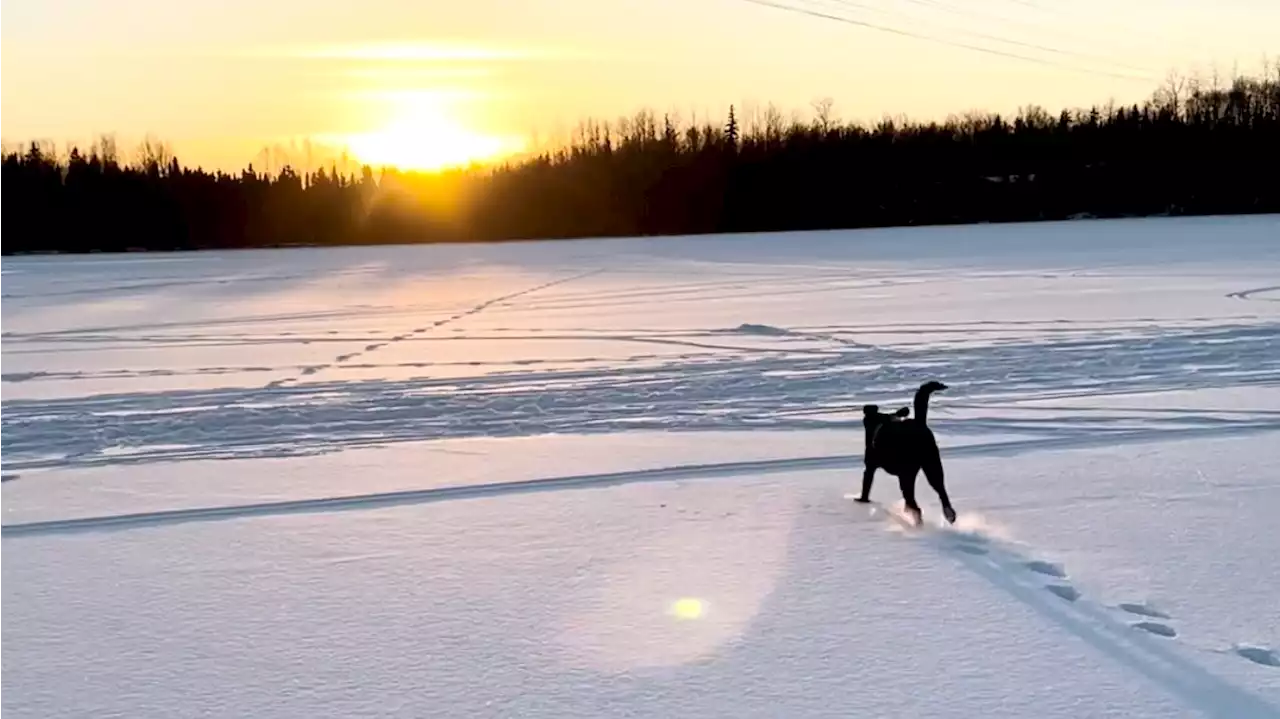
x=922 y=399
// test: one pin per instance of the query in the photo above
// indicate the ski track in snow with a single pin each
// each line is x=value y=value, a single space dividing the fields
x=418 y=331
x=1253 y=294
x=726 y=470
x=1136 y=643
x=790 y=383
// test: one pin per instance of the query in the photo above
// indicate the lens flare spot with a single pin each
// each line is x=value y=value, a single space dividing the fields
x=687 y=608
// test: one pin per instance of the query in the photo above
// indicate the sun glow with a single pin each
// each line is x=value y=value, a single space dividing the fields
x=406 y=52
x=423 y=135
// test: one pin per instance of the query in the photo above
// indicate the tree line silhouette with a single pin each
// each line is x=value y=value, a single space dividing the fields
x=1192 y=148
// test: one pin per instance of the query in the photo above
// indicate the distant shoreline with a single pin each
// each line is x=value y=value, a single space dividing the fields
x=1188 y=151
x=694 y=236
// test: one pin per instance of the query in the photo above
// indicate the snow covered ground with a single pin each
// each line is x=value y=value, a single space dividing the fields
x=610 y=478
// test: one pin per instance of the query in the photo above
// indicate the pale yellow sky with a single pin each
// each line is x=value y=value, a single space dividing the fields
x=219 y=80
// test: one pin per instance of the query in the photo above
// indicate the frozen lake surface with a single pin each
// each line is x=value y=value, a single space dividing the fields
x=611 y=477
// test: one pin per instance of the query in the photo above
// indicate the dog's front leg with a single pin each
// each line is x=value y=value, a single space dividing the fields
x=868 y=476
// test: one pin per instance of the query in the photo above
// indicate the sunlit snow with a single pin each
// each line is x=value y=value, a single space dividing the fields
x=612 y=477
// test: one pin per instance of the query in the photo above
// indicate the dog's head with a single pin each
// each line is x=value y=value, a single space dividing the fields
x=869 y=410
x=933 y=386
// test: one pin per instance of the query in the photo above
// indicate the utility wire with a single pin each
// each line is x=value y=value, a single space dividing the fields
x=953 y=43
x=1147 y=76
x=1133 y=33
x=1045 y=48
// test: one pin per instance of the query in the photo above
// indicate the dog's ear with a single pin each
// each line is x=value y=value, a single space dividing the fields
x=903 y=411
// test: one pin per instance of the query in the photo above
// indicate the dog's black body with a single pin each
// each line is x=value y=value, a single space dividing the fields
x=872 y=418
x=905 y=447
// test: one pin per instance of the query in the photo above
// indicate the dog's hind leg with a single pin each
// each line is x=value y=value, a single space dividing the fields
x=907 y=483
x=934 y=474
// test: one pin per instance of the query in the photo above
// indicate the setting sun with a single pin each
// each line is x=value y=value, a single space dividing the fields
x=423 y=135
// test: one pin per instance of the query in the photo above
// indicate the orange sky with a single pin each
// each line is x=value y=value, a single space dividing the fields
x=219 y=80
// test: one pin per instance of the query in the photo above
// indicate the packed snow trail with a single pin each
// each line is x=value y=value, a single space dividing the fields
x=727 y=470
x=1046 y=588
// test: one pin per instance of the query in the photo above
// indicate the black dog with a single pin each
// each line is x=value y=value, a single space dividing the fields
x=903 y=447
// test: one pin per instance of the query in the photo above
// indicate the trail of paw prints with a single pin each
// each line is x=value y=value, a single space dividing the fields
x=375 y=346
x=1063 y=589
x=975 y=545
x=1059 y=585
x=1144 y=617
x=1258 y=655
x=343 y=358
x=1149 y=614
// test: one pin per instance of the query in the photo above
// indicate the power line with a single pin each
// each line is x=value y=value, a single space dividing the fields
x=978 y=34
x=953 y=43
x=1045 y=48
x=1133 y=33
x=996 y=38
